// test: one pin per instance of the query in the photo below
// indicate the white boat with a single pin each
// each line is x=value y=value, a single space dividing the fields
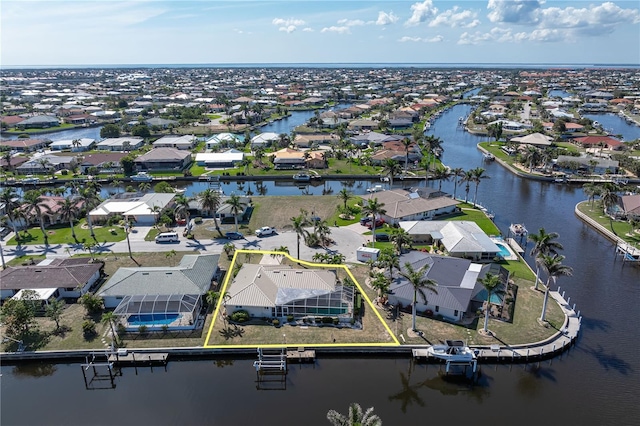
x=489 y=156
x=142 y=177
x=518 y=229
x=375 y=188
x=453 y=351
x=302 y=177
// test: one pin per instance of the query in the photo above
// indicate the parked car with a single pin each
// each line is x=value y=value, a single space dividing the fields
x=365 y=220
x=379 y=222
x=382 y=237
x=234 y=235
x=265 y=230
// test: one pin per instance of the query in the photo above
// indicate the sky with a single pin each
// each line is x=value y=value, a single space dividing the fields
x=94 y=32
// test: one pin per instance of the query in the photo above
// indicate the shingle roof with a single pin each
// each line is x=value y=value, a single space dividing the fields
x=48 y=276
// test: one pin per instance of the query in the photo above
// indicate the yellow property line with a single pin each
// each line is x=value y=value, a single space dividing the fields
x=314 y=265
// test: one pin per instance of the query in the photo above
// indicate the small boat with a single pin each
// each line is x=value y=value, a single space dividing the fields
x=375 y=188
x=142 y=177
x=452 y=350
x=518 y=229
x=302 y=177
x=488 y=156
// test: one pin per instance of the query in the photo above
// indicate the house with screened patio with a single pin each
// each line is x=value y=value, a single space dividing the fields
x=161 y=297
x=277 y=291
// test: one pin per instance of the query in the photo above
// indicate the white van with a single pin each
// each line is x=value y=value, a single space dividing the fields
x=167 y=237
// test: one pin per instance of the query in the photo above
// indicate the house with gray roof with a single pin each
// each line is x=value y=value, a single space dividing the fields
x=160 y=122
x=184 y=142
x=458 y=289
x=126 y=143
x=275 y=291
x=163 y=159
x=462 y=239
x=144 y=209
x=38 y=122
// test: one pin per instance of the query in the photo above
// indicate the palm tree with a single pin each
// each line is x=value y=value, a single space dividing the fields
x=144 y=187
x=478 y=174
x=356 y=417
x=441 y=173
x=35 y=207
x=467 y=179
x=491 y=284
x=109 y=318
x=418 y=279
x=9 y=198
x=237 y=206
x=554 y=268
x=91 y=201
x=591 y=190
x=344 y=195
x=391 y=168
x=322 y=230
x=299 y=222
x=6 y=156
x=543 y=244
x=373 y=208
x=406 y=142
x=381 y=284
x=458 y=172
x=182 y=207
x=210 y=201
x=44 y=163
x=608 y=196
x=69 y=211
x=400 y=238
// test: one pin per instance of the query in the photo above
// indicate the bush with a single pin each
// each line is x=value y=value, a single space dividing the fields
x=64 y=172
x=240 y=316
x=327 y=320
x=88 y=328
x=92 y=303
x=275 y=322
x=290 y=318
x=121 y=329
x=142 y=329
x=318 y=320
x=336 y=321
x=197 y=219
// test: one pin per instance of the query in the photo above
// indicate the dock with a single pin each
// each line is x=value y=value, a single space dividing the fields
x=301 y=355
x=628 y=253
x=125 y=358
x=515 y=246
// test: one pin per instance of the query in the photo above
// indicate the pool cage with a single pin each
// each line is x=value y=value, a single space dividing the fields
x=337 y=303
x=155 y=311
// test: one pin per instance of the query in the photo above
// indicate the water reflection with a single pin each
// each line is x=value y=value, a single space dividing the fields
x=34 y=369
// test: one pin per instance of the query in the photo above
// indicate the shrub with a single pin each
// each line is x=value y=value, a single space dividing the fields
x=92 y=303
x=275 y=322
x=240 y=316
x=121 y=329
x=88 y=328
x=290 y=318
x=336 y=321
x=197 y=219
x=318 y=319
x=165 y=328
x=142 y=329
x=327 y=320
x=64 y=172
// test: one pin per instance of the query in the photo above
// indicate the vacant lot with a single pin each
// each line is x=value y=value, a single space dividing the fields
x=277 y=211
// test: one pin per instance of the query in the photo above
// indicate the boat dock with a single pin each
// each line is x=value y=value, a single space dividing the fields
x=514 y=245
x=628 y=253
x=125 y=358
x=301 y=355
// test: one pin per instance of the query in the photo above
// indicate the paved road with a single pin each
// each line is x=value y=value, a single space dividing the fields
x=346 y=242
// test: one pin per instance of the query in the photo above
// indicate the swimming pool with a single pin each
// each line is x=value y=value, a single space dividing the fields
x=504 y=251
x=152 y=319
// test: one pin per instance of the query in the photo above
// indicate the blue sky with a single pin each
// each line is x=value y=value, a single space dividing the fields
x=210 y=31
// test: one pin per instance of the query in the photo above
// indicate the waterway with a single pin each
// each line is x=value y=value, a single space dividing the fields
x=595 y=383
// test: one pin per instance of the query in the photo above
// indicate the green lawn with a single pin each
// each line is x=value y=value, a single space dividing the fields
x=63 y=126
x=620 y=228
x=61 y=234
x=474 y=215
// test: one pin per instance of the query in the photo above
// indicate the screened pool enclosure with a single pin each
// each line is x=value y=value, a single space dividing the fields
x=159 y=311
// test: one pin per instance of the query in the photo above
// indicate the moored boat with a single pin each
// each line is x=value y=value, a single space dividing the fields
x=489 y=156
x=453 y=351
x=302 y=177
x=518 y=229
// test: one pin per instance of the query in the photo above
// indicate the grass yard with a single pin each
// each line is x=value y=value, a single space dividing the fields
x=277 y=211
x=474 y=215
x=61 y=234
x=620 y=228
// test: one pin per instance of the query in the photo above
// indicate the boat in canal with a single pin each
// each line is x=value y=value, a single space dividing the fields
x=452 y=351
x=302 y=177
x=518 y=229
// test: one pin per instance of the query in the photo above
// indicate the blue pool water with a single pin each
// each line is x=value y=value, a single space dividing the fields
x=152 y=319
x=504 y=251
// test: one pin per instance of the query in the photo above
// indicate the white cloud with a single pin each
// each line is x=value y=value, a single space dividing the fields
x=385 y=18
x=456 y=18
x=351 y=22
x=591 y=21
x=421 y=12
x=307 y=30
x=436 y=39
x=288 y=25
x=514 y=11
x=334 y=29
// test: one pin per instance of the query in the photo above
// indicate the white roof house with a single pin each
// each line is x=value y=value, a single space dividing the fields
x=533 y=139
x=133 y=205
x=219 y=159
x=459 y=238
x=215 y=140
x=118 y=144
x=74 y=145
x=178 y=142
x=264 y=139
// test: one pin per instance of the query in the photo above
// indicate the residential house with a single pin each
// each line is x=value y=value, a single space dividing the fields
x=417 y=204
x=276 y=291
x=224 y=139
x=24 y=145
x=45 y=164
x=163 y=159
x=462 y=239
x=104 y=162
x=458 y=289
x=11 y=120
x=52 y=278
x=224 y=159
x=315 y=139
x=144 y=209
x=535 y=139
x=264 y=140
x=183 y=142
x=597 y=165
x=73 y=145
x=360 y=125
x=160 y=122
x=599 y=142
x=630 y=205
x=38 y=122
x=50 y=209
x=226 y=215
x=127 y=143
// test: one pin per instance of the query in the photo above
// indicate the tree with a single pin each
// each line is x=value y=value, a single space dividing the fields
x=441 y=173
x=110 y=319
x=110 y=131
x=91 y=201
x=373 y=208
x=128 y=164
x=391 y=168
x=478 y=174
x=9 y=198
x=457 y=173
x=356 y=417
x=543 y=244
x=389 y=259
x=418 y=279
x=491 y=284
x=170 y=255
x=35 y=207
x=54 y=311
x=400 y=238
x=406 y=142
x=141 y=130
x=344 y=195
x=18 y=315
x=182 y=207
x=298 y=223
x=236 y=205
x=609 y=197
x=91 y=303
x=210 y=202
x=69 y=211
x=144 y=187
x=467 y=179
x=381 y=284
x=553 y=267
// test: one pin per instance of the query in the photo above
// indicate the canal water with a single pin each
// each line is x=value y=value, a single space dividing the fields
x=595 y=382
